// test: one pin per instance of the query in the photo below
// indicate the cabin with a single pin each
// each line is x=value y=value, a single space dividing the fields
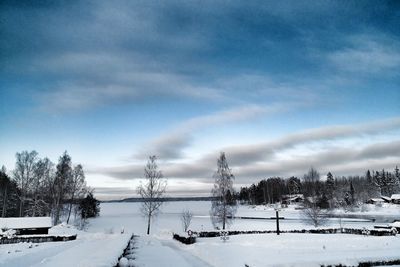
x=288 y=199
x=396 y=198
x=386 y=199
x=27 y=225
x=396 y=225
x=375 y=201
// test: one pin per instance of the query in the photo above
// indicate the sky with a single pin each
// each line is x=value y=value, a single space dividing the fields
x=279 y=86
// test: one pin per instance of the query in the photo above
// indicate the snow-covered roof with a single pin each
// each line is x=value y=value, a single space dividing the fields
x=396 y=224
x=386 y=198
x=395 y=196
x=376 y=199
x=25 y=222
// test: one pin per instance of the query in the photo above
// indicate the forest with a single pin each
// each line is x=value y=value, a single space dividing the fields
x=38 y=187
x=330 y=192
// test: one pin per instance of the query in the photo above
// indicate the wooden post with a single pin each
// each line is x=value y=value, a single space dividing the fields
x=277 y=222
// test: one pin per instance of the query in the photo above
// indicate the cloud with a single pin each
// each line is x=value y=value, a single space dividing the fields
x=171 y=145
x=242 y=155
x=258 y=161
x=368 y=54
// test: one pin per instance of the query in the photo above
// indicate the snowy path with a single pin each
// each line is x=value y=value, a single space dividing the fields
x=153 y=252
x=191 y=259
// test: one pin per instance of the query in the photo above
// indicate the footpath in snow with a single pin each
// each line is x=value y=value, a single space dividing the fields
x=156 y=252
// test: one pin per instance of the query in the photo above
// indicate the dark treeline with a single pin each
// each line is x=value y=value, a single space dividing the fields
x=327 y=193
x=38 y=187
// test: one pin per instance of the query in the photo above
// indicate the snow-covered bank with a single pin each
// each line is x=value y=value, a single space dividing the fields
x=90 y=249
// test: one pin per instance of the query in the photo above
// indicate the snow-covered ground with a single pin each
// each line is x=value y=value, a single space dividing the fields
x=103 y=242
x=90 y=249
x=295 y=249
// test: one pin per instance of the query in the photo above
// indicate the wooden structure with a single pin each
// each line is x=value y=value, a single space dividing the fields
x=27 y=225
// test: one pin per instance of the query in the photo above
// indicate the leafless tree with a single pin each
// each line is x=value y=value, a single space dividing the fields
x=186 y=218
x=152 y=191
x=223 y=205
x=24 y=174
x=77 y=186
x=311 y=182
x=314 y=215
x=61 y=183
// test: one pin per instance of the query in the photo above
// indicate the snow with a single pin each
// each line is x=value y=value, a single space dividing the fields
x=395 y=197
x=295 y=249
x=25 y=222
x=90 y=249
x=102 y=244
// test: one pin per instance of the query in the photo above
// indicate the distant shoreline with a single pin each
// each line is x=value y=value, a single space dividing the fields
x=166 y=199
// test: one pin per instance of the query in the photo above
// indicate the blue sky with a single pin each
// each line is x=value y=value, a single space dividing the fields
x=278 y=85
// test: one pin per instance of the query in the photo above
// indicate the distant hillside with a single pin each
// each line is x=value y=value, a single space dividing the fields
x=166 y=199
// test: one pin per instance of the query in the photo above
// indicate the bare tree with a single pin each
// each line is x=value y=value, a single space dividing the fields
x=77 y=186
x=152 y=190
x=39 y=204
x=311 y=182
x=61 y=182
x=223 y=205
x=186 y=218
x=24 y=174
x=314 y=215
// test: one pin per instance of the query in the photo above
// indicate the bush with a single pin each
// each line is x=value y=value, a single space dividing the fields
x=374 y=232
x=89 y=206
x=185 y=240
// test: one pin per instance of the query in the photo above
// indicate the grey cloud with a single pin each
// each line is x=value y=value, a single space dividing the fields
x=129 y=172
x=368 y=54
x=339 y=159
x=171 y=145
x=242 y=155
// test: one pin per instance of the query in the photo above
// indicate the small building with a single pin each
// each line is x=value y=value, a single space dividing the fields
x=27 y=225
x=375 y=201
x=297 y=198
x=396 y=198
x=386 y=199
x=396 y=225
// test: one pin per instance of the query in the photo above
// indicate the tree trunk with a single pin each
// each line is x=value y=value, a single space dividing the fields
x=224 y=218
x=21 y=206
x=70 y=208
x=148 y=224
x=3 y=213
x=57 y=211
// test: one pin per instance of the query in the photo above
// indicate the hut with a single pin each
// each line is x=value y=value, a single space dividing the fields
x=27 y=225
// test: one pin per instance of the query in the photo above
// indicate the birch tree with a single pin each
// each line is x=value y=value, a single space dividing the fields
x=77 y=187
x=152 y=191
x=24 y=174
x=223 y=205
x=61 y=183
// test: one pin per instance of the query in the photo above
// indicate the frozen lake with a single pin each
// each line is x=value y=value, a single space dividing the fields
x=128 y=216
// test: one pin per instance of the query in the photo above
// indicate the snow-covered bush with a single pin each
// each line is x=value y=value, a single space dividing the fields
x=123 y=262
x=9 y=233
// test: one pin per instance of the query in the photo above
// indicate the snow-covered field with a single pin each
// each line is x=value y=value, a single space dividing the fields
x=103 y=242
